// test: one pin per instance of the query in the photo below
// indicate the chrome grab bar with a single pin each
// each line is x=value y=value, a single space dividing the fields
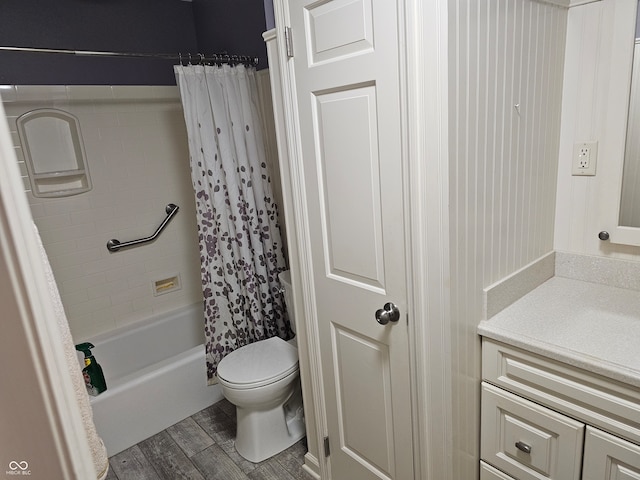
x=114 y=245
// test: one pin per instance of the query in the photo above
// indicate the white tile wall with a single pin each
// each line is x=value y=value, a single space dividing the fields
x=137 y=156
x=506 y=59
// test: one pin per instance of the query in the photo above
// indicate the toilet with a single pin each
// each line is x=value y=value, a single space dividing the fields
x=262 y=380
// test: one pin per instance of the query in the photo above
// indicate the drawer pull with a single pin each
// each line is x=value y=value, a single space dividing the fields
x=523 y=447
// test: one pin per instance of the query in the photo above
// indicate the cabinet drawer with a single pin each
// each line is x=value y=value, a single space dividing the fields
x=593 y=399
x=487 y=472
x=526 y=440
x=609 y=458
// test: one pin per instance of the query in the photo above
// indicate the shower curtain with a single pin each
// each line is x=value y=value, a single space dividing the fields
x=241 y=251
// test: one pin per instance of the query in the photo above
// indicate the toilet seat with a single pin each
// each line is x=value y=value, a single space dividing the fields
x=258 y=364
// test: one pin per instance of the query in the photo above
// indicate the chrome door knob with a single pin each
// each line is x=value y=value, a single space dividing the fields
x=389 y=313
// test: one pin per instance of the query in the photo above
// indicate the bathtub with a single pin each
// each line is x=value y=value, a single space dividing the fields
x=156 y=376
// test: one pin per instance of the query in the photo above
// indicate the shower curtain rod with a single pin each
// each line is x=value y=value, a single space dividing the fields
x=187 y=58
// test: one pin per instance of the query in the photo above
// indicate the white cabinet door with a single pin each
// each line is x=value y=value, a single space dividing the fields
x=609 y=458
x=348 y=100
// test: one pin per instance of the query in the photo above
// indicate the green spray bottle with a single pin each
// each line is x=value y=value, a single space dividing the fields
x=92 y=372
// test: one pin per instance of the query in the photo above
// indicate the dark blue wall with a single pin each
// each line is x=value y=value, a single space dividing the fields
x=147 y=26
x=232 y=26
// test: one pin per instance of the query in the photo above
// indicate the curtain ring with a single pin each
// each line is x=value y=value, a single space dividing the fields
x=202 y=62
x=180 y=58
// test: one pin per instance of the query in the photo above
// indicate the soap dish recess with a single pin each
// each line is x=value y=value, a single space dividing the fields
x=54 y=153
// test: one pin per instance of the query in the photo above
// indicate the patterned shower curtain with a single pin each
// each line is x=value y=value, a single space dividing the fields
x=241 y=251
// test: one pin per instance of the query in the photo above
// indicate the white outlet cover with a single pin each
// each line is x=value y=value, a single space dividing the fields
x=578 y=160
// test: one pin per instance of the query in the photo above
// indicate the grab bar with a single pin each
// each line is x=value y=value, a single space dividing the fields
x=114 y=245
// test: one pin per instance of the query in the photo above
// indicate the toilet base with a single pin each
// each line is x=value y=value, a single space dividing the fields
x=261 y=434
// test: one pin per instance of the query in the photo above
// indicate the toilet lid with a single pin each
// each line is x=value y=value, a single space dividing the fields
x=259 y=363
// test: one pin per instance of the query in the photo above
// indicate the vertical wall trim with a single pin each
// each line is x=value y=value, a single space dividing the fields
x=427 y=129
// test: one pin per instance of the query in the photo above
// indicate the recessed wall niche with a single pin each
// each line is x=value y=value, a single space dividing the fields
x=54 y=153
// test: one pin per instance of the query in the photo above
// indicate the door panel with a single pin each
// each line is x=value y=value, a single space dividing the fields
x=346 y=72
x=350 y=184
x=362 y=371
x=338 y=28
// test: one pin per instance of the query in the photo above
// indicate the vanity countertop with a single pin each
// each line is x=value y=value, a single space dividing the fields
x=588 y=325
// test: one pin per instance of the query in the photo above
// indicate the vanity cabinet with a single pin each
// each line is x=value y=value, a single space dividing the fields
x=544 y=419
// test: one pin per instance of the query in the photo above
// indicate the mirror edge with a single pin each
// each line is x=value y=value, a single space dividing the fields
x=614 y=139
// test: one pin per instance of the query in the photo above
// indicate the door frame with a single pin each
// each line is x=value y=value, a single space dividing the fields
x=424 y=92
x=30 y=324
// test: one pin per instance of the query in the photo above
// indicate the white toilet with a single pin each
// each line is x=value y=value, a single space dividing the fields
x=262 y=380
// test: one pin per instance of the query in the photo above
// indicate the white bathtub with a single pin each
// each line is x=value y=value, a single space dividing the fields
x=156 y=376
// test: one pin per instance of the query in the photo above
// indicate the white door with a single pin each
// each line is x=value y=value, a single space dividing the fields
x=347 y=84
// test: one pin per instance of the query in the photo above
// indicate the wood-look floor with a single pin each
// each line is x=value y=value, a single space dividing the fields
x=201 y=448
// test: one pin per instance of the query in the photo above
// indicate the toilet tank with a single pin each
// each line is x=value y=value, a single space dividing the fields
x=285 y=282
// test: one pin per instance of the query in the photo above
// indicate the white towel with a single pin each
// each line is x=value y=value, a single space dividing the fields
x=97 y=448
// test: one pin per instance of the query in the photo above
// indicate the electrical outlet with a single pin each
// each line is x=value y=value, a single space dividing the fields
x=585 y=156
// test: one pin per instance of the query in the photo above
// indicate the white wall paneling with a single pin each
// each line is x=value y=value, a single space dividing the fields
x=506 y=63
